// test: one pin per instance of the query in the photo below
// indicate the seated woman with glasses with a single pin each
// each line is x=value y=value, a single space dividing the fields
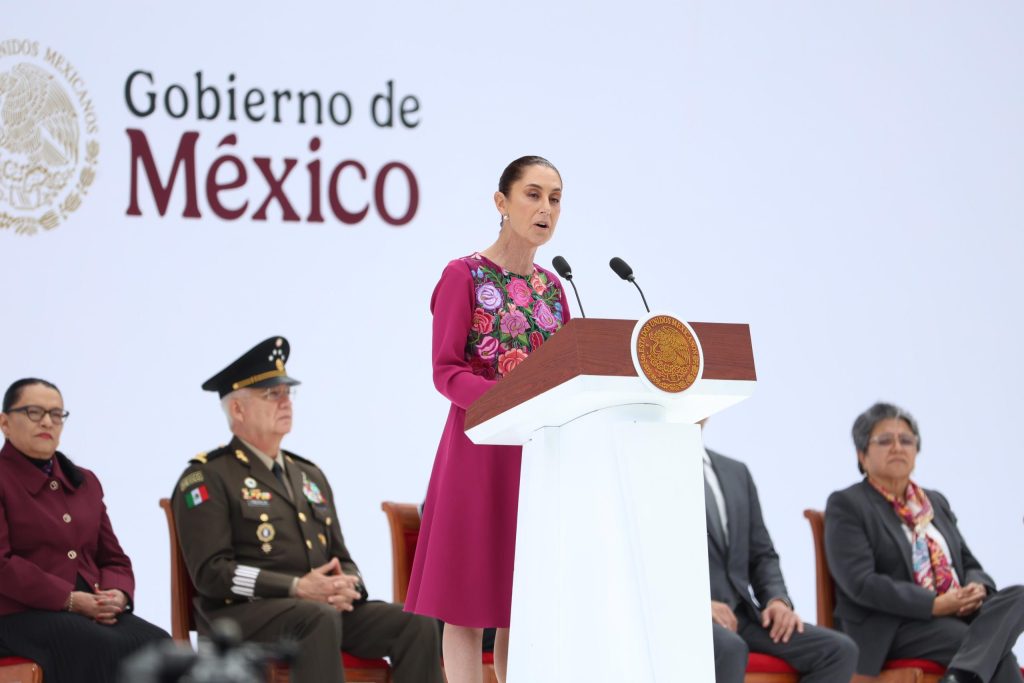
x=907 y=585
x=65 y=584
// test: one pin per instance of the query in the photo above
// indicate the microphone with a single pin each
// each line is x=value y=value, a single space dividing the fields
x=623 y=270
x=562 y=268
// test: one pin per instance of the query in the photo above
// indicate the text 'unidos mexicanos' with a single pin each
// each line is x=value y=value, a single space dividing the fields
x=228 y=188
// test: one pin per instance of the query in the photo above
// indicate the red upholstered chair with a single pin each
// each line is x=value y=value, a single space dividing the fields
x=894 y=670
x=404 y=523
x=930 y=671
x=357 y=670
x=762 y=668
x=19 y=670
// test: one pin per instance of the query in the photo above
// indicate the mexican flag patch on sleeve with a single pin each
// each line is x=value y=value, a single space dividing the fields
x=197 y=496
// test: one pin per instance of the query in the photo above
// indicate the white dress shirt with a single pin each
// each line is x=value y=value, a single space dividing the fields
x=716 y=488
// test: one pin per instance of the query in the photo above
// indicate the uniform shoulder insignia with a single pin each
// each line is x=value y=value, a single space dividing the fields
x=191 y=479
x=203 y=458
x=298 y=458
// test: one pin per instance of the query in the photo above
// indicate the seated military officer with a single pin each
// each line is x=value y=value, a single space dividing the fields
x=262 y=541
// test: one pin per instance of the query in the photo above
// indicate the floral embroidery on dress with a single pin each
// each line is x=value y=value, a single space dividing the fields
x=513 y=315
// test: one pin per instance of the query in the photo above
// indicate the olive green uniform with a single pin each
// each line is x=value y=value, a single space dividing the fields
x=246 y=539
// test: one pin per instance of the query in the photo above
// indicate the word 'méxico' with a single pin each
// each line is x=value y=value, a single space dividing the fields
x=227 y=181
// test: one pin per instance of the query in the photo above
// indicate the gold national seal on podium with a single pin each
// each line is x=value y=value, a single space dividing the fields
x=667 y=353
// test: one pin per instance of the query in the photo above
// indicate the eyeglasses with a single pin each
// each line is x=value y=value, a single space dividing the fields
x=888 y=439
x=279 y=393
x=35 y=413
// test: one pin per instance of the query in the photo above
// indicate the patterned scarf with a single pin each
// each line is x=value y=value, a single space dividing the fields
x=931 y=566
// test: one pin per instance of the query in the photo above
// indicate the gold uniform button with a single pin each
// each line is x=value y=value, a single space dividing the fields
x=302 y=516
x=54 y=485
x=327 y=521
x=264 y=517
x=72 y=554
x=309 y=544
x=67 y=518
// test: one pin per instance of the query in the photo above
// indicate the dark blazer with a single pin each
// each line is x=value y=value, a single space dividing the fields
x=243 y=538
x=870 y=559
x=53 y=528
x=749 y=560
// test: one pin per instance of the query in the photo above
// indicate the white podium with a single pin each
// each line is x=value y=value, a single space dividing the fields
x=611 y=577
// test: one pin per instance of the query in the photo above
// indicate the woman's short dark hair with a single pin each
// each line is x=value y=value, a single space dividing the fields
x=866 y=421
x=13 y=393
x=514 y=171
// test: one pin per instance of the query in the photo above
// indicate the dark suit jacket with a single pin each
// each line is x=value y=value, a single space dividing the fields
x=870 y=559
x=244 y=538
x=53 y=528
x=750 y=560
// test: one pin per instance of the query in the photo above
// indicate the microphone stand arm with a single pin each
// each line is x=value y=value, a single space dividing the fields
x=633 y=280
x=576 y=291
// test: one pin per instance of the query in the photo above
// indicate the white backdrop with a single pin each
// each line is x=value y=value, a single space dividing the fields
x=843 y=176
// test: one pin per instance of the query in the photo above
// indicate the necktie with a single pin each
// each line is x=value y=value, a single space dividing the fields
x=279 y=473
x=714 y=519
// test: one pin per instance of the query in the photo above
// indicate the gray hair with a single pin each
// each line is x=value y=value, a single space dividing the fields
x=225 y=404
x=866 y=422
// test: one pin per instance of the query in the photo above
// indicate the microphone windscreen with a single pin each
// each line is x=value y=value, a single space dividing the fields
x=562 y=267
x=621 y=268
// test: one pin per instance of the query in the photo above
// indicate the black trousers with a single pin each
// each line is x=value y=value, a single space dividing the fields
x=71 y=648
x=374 y=629
x=821 y=655
x=981 y=644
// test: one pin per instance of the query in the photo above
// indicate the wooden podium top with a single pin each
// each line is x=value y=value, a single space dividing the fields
x=601 y=347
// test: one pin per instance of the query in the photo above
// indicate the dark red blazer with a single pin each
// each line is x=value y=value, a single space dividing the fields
x=52 y=528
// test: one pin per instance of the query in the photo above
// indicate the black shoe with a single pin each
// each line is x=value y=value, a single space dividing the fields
x=957 y=676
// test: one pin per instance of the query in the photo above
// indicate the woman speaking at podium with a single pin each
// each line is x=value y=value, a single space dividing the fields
x=491 y=310
x=65 y=584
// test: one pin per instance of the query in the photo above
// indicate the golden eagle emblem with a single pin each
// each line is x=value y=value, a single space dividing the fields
x=667 y=354
x=45 y=166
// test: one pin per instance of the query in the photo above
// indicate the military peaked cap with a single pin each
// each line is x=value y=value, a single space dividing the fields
x=260 y=366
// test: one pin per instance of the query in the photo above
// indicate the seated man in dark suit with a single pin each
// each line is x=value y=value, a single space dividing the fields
x=742 y=560
x=261 y=538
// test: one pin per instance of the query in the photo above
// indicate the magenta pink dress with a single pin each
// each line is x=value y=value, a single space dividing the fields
x=486 y=321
